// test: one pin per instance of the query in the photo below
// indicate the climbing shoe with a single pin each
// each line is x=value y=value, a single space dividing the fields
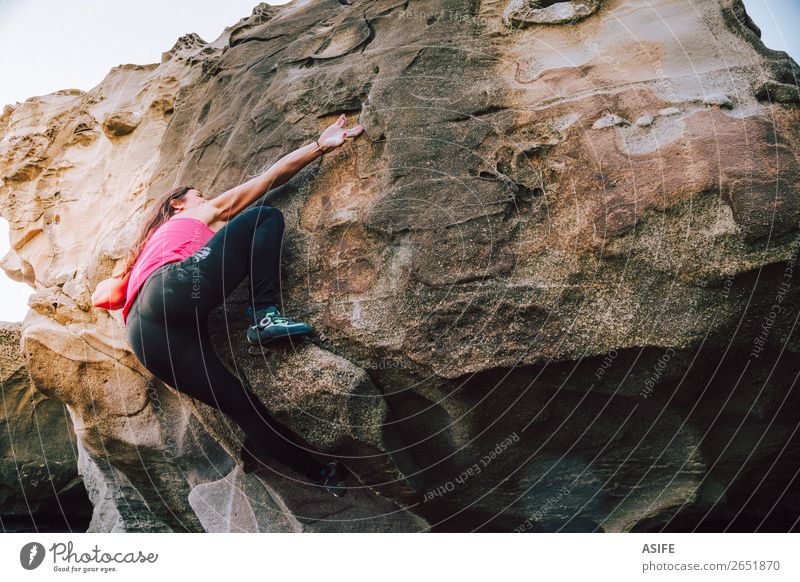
x=268 y=324
x=333 y=478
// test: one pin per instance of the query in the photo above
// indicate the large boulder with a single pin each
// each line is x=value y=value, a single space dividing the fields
x=40 y=486
x=552 y=283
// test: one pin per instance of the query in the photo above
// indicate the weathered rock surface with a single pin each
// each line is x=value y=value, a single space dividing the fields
x=554 y=281
x=40 y=488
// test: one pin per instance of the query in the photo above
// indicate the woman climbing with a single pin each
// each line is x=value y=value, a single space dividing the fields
x=190 y=255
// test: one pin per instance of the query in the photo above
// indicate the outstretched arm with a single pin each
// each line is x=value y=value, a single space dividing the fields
x=230 y=203
x=111 y=293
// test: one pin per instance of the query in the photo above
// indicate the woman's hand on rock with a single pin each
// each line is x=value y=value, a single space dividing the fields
x=335 y=135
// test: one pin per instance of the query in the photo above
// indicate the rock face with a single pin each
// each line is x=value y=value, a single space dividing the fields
x=40 y=488
x=554 y=282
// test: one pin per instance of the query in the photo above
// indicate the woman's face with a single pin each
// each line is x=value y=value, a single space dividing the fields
x=191 y=199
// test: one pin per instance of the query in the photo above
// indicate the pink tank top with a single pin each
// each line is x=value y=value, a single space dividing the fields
x=174 y=240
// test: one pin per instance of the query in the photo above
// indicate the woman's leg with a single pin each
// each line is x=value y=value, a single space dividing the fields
x=250 y=244
x=178 y=351
x=265 y=258
x=206 y=378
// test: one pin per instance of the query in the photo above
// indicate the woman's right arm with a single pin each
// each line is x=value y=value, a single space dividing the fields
x=111 y=293
x=230 y=203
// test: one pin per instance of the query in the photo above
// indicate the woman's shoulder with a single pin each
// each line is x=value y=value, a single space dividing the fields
x=204 y=214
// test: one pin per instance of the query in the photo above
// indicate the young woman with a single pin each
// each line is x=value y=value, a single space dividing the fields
x=190 y=255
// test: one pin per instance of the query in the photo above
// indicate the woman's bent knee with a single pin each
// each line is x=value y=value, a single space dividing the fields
x=265 y=214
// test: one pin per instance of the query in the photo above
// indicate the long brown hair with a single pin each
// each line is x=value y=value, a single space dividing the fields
x=161 y=212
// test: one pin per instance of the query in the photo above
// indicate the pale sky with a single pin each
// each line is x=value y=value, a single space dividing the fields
x=47 y=45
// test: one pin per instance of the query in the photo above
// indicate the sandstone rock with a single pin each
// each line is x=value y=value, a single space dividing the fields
x=778 y=92
x=529 y=12
x=484 y=265
x=609 y=120
x=720 y=100
x=40 y=489
x=119 y=124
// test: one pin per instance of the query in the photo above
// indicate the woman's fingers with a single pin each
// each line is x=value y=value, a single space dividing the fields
x=341 y=133
x=354 y=131
x=341 y=122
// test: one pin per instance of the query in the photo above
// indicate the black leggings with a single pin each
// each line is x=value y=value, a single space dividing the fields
x=167 y=326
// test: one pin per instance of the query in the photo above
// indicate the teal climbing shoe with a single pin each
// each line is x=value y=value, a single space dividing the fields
x=268 y=324
x=333 y=478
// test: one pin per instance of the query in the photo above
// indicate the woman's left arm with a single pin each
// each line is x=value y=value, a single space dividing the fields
x=230 y=203
x=111 y=293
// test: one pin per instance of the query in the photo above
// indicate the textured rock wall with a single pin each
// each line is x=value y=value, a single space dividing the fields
x=40 y=488
x=545 y=278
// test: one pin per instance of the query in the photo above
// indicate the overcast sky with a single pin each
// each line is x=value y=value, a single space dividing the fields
x=47 y=45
